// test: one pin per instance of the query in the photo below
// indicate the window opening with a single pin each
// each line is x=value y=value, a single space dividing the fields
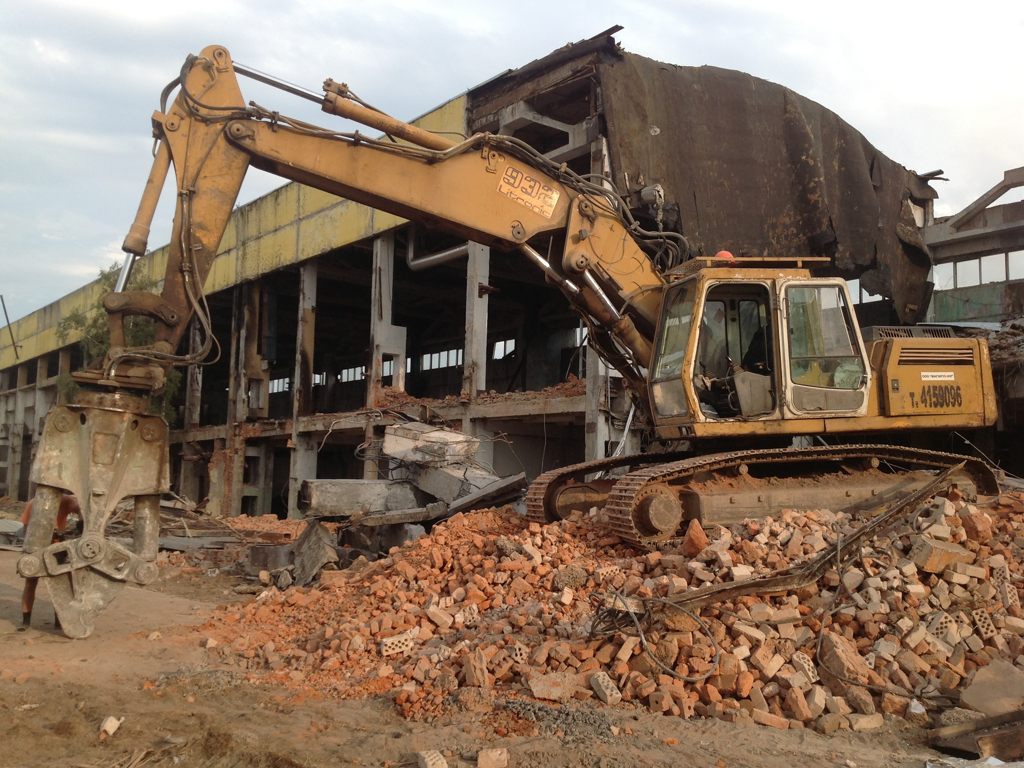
x=821 y=346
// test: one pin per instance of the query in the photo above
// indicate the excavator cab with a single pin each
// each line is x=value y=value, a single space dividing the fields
x=748 y=344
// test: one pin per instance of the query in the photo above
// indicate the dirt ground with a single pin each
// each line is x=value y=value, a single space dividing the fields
x=145 y=662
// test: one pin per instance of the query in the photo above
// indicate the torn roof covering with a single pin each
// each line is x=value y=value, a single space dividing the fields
x=750 y=166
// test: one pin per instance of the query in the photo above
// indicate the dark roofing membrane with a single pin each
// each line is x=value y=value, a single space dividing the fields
x=757 y=169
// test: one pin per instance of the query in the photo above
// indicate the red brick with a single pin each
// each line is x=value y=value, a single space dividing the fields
x=767 y=718
x=840 y=657
x=797 y=705
x=696 y=540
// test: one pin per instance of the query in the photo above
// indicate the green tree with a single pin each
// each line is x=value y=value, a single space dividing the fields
x=90 y=325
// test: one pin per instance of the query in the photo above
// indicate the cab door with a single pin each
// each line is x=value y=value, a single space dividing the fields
x=673 y=358
x=825 y=370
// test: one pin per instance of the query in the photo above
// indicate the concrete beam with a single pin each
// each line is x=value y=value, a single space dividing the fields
x=577 y=136
x=1012 y=179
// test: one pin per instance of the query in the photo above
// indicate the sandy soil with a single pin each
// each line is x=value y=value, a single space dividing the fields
x=182 y=707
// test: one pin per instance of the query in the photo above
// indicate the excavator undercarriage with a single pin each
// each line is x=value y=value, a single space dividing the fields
x=652 y=497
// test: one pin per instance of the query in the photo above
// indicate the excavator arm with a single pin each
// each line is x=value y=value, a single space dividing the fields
x=496 y=190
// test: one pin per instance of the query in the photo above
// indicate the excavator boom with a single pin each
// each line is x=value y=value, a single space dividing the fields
x=103 y=447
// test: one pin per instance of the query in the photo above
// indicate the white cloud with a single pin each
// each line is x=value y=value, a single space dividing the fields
x=931 y=86
x=50 y=54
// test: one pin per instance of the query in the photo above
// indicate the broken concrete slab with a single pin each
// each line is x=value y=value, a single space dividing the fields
x=501 y=491
x=431 y=511
x=267 y=557
x=314 y=549
x=996 y=689
x=450 y=482
x=319 y=498
x=425 y=443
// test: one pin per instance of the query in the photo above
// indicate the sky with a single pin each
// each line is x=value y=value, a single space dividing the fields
x=932 y=85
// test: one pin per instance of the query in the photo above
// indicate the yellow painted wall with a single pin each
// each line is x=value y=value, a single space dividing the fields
x=284 y=227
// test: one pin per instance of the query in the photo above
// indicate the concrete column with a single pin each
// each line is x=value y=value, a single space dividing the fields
x=475 y=349
x=256 y=378
x=227 y=461
x=597 y=428
x=385 y=339
x=5 y=437
x=193 y=382
x=474 y=371
x=222 y=472
x=237 y=409
x=45 y=398
x=267 y=479
x=372 y=433
x=63 y=369
x=188 y=476
x=303 y=457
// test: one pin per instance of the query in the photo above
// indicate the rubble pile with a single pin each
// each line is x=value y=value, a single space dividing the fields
x=490 y=606
x=573 y=386
x=1006 y=346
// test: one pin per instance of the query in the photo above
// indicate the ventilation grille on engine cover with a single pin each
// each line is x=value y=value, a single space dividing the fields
x=926 y=356
x=877 y=332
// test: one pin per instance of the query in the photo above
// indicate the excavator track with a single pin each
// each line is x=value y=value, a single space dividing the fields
x=632 y=509
x=540 y=496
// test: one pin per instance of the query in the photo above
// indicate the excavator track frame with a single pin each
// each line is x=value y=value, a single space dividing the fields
x=621 y=514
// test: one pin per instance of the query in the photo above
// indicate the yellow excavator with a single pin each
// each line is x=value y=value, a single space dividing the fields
x=727 y=359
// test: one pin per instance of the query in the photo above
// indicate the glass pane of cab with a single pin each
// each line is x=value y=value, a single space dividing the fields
x=822 y=350
x=675 y=333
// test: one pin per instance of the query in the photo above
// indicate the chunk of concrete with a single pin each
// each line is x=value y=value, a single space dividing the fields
x=492 y=758
x=605 y=688
x=356 y=497
x=996 y=689
x=424 y=443
x=840 y=657
x=557 y=686
x=431 y=758
x=314 y=549
x=450 y=482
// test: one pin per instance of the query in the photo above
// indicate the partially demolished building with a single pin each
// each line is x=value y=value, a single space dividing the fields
x=337 y=321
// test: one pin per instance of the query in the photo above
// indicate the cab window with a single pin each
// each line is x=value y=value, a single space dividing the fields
x=675 y=333
x=822 y=350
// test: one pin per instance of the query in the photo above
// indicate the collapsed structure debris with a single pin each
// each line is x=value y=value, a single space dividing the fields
x=434 y=472
x=1000 y=736
x=489 y=607
x=1006 y=345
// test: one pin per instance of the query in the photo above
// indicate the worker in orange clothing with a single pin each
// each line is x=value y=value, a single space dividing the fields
x=68 y=506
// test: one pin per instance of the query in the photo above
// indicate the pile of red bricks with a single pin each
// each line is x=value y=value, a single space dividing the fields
x=490 y=605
